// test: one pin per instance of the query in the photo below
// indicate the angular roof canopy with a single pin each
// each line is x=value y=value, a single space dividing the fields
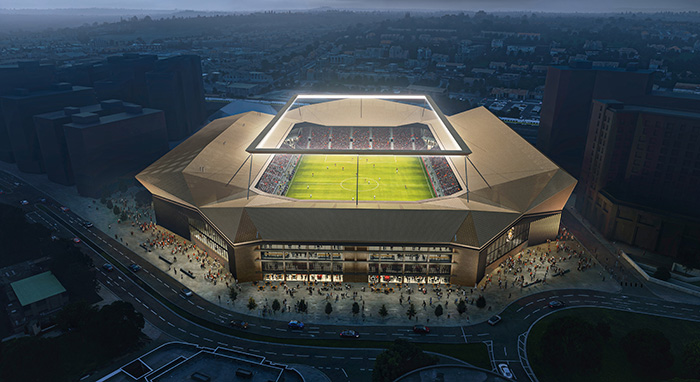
x=505 y=176
x=358 y=111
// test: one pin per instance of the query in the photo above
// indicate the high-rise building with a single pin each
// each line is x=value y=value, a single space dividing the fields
x=566 y=106
x=641 y=174
x=29 y=75
x=175 y=86
x=49 y=130
x=126 y=79
x=18 y=112
x=104 y=148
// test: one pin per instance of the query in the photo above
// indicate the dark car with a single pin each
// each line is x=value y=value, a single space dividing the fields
x=554 y=304
x=239 y=324
x=134 y=267
x=87 y=224
x=294 y=324
x=349 y=334
x=108 y=267
x=494 y=320
x=421 y=329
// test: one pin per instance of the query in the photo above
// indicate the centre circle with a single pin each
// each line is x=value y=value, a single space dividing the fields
x=363 y=187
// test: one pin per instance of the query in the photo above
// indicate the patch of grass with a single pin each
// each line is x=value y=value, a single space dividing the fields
x=332 y=177
x=474 y=353
x=615 y=366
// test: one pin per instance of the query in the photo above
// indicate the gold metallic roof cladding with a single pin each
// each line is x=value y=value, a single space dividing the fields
x=522 y=180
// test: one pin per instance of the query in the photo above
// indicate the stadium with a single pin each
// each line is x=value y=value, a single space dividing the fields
x=359 y=189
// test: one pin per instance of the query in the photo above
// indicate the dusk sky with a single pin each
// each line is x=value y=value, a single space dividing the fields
x=468 y=5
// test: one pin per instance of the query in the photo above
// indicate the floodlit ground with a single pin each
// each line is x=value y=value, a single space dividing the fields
x=332 y=177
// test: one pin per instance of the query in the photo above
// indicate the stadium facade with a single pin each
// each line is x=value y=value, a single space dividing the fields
x=403 y=193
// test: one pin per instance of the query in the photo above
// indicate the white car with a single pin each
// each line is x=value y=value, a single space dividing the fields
x=505 y=371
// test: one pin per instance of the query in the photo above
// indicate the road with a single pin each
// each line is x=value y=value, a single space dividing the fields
x=157 y=296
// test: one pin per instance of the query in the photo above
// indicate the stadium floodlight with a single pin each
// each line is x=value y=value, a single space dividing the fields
x=354 y=111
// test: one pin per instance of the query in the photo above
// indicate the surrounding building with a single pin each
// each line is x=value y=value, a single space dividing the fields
x=566 y=106
x=503 y=194
x=175 y=86
x=54 y=150
x=104 y=147
x=641 y=174
x=18 y=112
x=181 y=361
x=33 y=300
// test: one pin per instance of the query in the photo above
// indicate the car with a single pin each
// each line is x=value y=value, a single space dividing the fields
x=554 y=304
x=134 y=267
x=349 y=334
x=41 y=200
x=76 y=240
x=24 y=202
x=108 y=267
x=54 y=237
x=421 y=329
x=505 y=370
x=239 y=324
x=87 y=224
x=186 y=292
x=294 y=324
x=65 y=209
x=494 y=320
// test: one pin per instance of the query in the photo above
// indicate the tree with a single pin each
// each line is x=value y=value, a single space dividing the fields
x=648 y=350
x=124 y=217
x=480 y=302
x=574 y=346
x=302 y=306
x=329 y=309
x=109 y=204
x=411 y=312
x=355 y=308
x=252 y=304
x=461 y=307
x=690 y=359
x=438 y=311
x=116 y=210
x=232 y=293
x=75 y=316
x=119 y=327
x=400 y=358
x=276 y=305
x=383 y=312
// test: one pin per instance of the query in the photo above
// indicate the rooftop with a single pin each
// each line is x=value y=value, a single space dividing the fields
x=37 y=288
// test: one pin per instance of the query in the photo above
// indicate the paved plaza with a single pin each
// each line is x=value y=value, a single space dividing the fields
x=529 y=272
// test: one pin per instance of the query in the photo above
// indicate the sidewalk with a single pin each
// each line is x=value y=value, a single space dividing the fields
x=211 y=280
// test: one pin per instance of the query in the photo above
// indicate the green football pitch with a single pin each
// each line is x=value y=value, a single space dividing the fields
x=332 y=177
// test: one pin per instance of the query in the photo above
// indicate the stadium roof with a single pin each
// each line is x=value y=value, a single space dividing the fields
x=360 y=110
x=505 y=176
x=37 y=288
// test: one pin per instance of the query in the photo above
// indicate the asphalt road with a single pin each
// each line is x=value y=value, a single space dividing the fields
x=340 y=364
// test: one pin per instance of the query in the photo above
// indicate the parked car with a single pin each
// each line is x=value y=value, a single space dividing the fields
x=134 y=267
x=239 y=324
x=108 y=267
x=294 y=324
x=494 y=320
x=554 y=304
x=505 y=370
x=421 y=329
x=349 y=334
x=186 y=292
